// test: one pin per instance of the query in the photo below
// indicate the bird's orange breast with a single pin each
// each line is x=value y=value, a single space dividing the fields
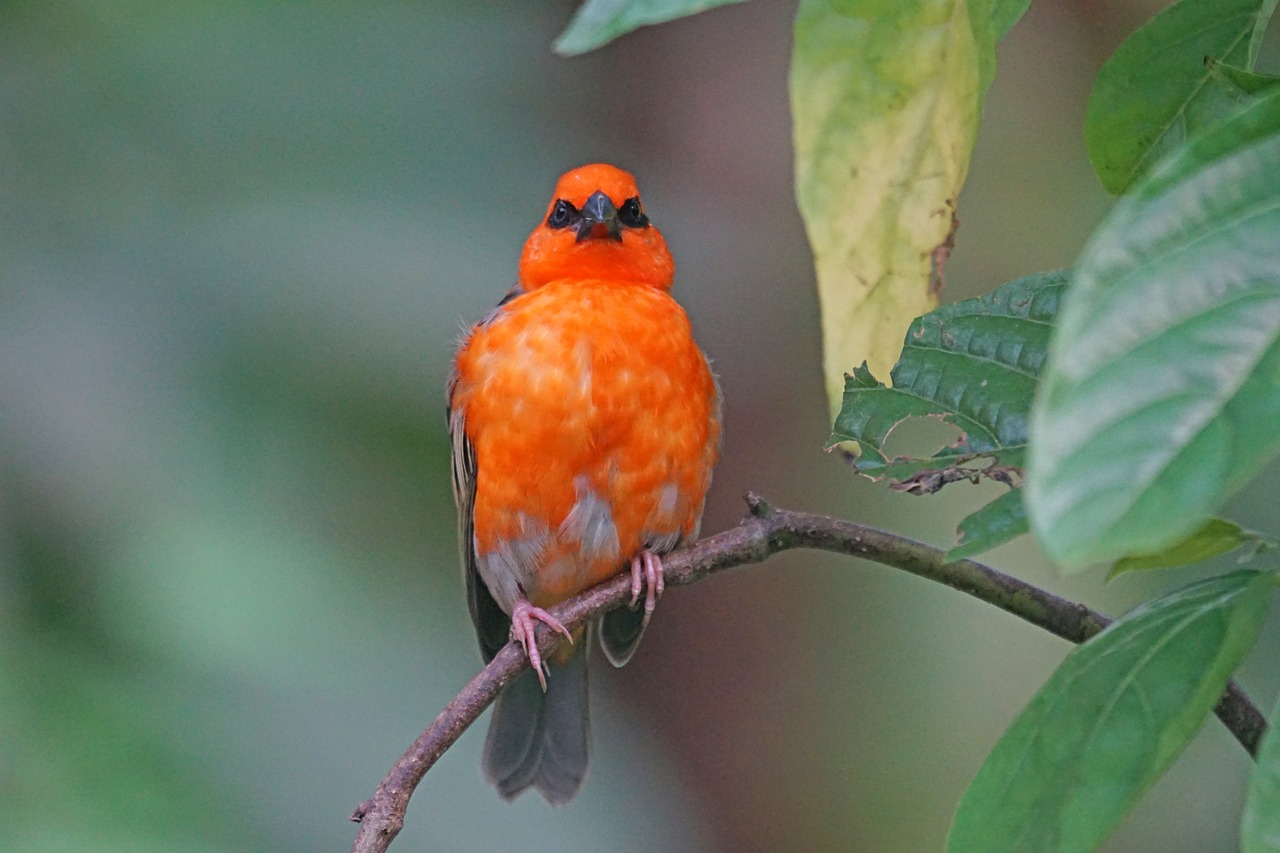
x=594 y=420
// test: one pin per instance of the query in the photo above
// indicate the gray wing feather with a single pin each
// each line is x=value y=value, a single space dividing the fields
x=492 y=625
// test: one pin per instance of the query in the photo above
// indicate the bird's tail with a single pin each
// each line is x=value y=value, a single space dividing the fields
x=541 y=740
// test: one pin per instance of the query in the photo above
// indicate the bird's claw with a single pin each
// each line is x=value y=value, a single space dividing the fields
x=523 y=618
x=647 y=575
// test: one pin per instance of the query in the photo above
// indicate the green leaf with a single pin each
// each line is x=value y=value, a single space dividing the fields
x=1000 y=521
x=885 y=98
x=1215 y=537
x=1238 y=82
x=1006 y=13
x=1260 y=826
x=1163 y=386
x=1109 y=721
x=1231 y=90
x=1152 y=94
x=975 y=364
x=598 y=22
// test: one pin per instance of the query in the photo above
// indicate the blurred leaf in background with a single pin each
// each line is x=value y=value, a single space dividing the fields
x=598 y=22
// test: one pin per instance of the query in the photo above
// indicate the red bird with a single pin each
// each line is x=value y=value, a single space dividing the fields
x=585 y=424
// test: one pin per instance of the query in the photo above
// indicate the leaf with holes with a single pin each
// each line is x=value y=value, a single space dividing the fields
x=1110 y=720
x=974 y=364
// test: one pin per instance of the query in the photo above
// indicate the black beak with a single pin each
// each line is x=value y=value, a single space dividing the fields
x=599 y=210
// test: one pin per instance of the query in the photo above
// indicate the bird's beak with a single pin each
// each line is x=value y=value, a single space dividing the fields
x=599 y=218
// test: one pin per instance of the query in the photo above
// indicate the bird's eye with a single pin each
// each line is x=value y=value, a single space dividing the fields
x=630 y=214
x=562 y=214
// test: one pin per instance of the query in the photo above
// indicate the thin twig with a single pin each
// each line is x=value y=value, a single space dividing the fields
x=764 y=532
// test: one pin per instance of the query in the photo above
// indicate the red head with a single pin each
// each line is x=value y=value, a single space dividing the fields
x=595 y=227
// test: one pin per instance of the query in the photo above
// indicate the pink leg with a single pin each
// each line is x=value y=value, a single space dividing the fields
x=522 y=619
x=646 y=573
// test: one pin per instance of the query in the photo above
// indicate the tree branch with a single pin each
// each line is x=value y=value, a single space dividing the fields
x=764 y=532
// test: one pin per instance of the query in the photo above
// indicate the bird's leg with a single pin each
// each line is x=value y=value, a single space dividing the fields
x=646 y=574
x=523 y=617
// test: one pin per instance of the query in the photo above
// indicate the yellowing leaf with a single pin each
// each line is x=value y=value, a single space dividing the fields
x=885 y=98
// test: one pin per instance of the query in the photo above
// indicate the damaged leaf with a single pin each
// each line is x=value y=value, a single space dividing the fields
x=975 y=365
x=930 y=480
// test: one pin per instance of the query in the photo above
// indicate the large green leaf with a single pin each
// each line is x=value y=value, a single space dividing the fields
x=975 y=364
x=1260 y=827
x=885 y=98
x=1162 y=393
x=598 y=22
x=1110 y=720
x=1155 y=91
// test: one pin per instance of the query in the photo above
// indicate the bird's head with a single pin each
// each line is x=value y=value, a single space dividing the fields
x=595 y=228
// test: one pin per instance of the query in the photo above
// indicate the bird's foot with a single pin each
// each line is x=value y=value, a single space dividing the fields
x=523 y=618
x=646 y=574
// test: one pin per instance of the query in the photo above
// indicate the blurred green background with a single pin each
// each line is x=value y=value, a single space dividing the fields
x=239 y=241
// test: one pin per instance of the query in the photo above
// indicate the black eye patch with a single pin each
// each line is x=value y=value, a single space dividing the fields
x=563 y=215
x=631 y=215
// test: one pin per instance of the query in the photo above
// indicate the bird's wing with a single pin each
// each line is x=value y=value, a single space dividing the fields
x=492 y=625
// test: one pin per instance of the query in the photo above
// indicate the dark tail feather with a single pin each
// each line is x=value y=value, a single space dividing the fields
x=541 y=740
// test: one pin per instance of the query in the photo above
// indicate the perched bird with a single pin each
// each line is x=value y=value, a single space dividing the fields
x=585 y=425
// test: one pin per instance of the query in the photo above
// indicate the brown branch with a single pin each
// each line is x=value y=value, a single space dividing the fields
x=764 y=532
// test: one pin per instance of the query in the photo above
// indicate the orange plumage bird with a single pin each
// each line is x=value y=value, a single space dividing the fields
x=585 y=424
